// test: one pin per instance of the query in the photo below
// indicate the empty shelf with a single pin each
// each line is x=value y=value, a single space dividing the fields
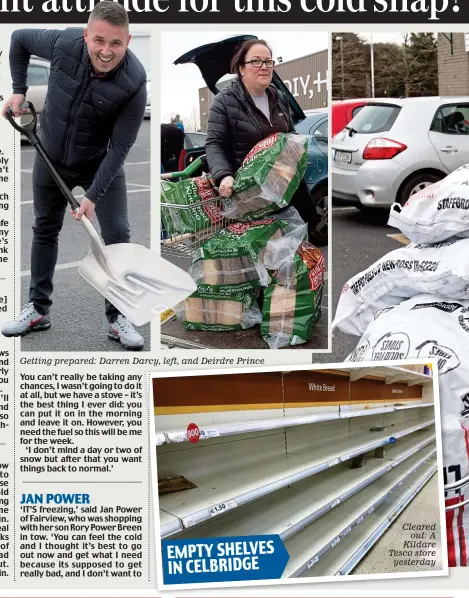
x=169 y=524
x=351 y=550
x=231 y=487
x=179 y=434
x=310 y=545
x=291 y=509
x=393 y=373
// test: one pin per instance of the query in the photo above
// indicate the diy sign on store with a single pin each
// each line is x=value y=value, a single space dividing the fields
x=301 y=85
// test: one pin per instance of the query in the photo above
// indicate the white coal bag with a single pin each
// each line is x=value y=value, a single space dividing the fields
x=427 y=326
x=437 y=212
x=410 y=270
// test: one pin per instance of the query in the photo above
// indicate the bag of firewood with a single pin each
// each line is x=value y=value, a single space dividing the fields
x=189 y=206
x=236 y=259
x=218 y=313
x=268 y=177
x=292 y=303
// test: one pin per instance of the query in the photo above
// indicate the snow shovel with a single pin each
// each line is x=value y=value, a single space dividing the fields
x=137 y=281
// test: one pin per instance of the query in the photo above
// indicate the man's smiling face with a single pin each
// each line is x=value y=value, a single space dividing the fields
x=106 y=44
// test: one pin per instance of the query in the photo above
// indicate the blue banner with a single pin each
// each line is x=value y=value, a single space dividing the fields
x=211 y=560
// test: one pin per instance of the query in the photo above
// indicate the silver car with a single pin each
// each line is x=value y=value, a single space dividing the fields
x=393 y=148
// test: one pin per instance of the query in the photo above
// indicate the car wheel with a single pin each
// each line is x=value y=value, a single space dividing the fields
x=318 y=225
x=415 y=184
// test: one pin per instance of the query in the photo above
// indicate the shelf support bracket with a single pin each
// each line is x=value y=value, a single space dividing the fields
x=358 y=374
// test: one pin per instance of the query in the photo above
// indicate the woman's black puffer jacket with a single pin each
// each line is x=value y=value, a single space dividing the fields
x=235 y=125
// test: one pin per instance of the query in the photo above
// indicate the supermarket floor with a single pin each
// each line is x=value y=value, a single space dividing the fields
x=174 y=335
x=421 y=511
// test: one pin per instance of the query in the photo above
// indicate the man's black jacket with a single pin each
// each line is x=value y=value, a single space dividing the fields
x=88 y=123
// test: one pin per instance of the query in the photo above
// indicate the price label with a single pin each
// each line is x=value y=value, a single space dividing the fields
x=193 y=433
x=333 y=462
x=335 y=541
x=312 y=562
x=209 y=433
x=178 y=437
x=360 y=519
x=166 y=315
x=223 y=507
x=346 y=531
x=335 y=503
x=188 y=521
x=370 y=510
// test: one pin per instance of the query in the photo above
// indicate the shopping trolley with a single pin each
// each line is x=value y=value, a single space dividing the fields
x=184 y=245
x=457 y=488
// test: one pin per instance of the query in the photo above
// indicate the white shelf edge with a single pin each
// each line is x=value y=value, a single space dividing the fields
x=396 y=372
x=366 y=546
x=170 y=528
x=160 y=439
x=207 y=432
x=315 y=558
x=208 y=513
x=346 y=495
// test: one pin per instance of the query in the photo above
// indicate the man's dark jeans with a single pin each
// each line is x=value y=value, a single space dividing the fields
x=49 y=209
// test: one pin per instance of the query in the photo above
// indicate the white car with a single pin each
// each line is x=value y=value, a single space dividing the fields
x=148 y=106
x=393 y=148
x=37 y=82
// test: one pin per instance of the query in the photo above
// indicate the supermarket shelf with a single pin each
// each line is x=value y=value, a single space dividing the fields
x=309 y=546
x=160 y=439
x=246 y=481
x=291 y=509
x=179 y=434
x=349 y=552
x=169 y=524
x=390 y=373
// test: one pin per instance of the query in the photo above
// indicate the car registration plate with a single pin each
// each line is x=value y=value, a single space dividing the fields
x=344 y=157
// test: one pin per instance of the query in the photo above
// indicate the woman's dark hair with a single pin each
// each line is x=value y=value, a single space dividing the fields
x=239 y=56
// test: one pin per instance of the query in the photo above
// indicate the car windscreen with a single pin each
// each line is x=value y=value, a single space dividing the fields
x=195 y=139
x=317 y=127
x=374 y=118
x=304 y=126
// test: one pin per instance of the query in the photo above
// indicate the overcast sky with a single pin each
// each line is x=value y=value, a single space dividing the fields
x=382 y=37
x=180 y=84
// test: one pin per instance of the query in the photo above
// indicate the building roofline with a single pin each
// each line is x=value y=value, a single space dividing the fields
x=301 y=57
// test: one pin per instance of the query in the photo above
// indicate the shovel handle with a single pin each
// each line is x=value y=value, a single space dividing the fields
x=29 y=131
x=57 y=178
x=29 y=128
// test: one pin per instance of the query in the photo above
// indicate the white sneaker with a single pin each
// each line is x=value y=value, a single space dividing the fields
x=29 y=320
x=123 y=330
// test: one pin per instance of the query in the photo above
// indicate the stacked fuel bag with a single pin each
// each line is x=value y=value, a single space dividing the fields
x=413 y=303
x=262 y=254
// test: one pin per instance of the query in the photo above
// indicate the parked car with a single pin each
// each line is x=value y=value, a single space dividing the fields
x=393 y=148
x=213 y=61
x=148 y=106
x=194 y=146
x=343 y=111
x=37 y=82
x=316 y=126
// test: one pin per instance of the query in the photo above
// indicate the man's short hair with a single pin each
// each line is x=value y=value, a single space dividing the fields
x=111 y=12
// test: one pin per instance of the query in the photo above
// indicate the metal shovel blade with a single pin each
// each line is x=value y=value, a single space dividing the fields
x=137 y=281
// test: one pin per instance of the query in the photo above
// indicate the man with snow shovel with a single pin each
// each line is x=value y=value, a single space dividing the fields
x=95 y=105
